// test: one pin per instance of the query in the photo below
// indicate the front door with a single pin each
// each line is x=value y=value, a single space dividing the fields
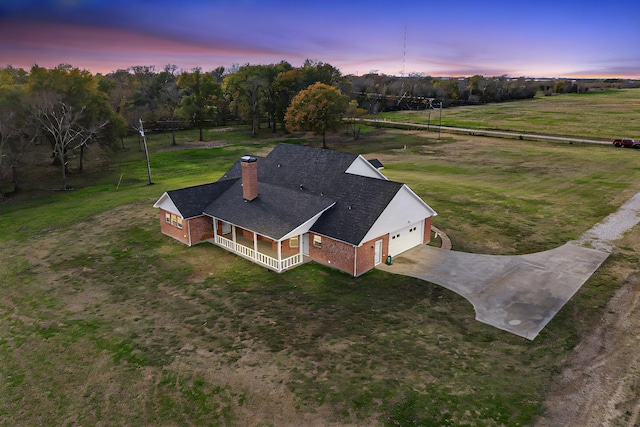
x=378 y=252
x=305 y=244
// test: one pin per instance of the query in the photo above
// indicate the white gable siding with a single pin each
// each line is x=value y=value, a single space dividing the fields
x=362 y=167
x=165 y=202
x=404 y=210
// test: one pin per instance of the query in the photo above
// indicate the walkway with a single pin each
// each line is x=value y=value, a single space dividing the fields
x=520 y=294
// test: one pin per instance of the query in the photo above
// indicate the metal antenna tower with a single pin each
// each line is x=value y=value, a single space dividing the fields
x=404 y=51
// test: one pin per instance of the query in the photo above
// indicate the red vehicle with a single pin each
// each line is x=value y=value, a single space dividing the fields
x=626 y=142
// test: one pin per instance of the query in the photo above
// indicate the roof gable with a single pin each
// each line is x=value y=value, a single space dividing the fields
x=360 y=166
x=404 y=208
x=192 y=201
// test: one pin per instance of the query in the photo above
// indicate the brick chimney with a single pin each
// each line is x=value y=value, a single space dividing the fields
x=249 y=177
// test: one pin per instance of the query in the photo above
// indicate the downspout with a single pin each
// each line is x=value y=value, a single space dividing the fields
x=355 y=261
x=189 y=230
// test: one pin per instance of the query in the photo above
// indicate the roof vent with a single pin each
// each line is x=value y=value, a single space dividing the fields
x=301 y=187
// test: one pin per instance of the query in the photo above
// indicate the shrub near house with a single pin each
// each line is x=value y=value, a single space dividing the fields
x=301 y=203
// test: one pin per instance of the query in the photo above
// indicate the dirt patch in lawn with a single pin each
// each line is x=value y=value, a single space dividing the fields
x=599 y=383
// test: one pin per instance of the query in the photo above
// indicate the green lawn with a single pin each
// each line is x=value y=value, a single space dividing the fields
x=104 y=321
x=603 y=115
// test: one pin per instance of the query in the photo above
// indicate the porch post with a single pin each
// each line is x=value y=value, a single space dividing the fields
x=255 y=242
x=279 y=250
x=233 y=233
x=301 y=244
x=215 y=229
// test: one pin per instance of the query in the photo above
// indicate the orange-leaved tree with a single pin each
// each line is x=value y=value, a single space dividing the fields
x=318 y=108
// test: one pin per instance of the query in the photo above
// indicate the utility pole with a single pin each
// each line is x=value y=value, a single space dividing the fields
x=146 y=151
x=440 y=126
x=429 y=108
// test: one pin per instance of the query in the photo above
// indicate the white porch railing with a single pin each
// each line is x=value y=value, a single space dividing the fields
x=259 y=257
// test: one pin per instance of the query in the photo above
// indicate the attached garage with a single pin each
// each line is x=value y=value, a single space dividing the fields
x=406 y=238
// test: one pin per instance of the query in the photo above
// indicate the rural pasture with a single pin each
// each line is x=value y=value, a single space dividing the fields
x=104 y=321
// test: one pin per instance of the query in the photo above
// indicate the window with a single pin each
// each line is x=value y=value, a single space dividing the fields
x=294 y=242
x=317 y=241
x=173 y=219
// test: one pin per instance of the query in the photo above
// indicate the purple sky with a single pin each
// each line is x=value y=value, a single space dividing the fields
x=545 y=38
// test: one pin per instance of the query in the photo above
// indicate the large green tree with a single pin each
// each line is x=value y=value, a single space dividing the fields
x=319 y=108
x=201 y=94
x=246 y=88
x=287 y=84
x=15 y=138
x=271 y=90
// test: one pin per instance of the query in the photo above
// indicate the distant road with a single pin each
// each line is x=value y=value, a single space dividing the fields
x=485 y=132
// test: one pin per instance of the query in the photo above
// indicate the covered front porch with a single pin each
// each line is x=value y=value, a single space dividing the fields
x=276 y=255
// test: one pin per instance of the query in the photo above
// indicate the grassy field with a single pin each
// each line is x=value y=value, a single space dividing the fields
x=602 y=115
x=104 y=321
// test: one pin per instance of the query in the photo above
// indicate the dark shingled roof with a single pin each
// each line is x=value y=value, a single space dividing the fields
x=360 y=200
x=192 y=201
x=376 y=163
x=274 y=213
x=295 y=183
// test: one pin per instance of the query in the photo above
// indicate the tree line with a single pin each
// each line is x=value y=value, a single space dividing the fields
x=69 y=108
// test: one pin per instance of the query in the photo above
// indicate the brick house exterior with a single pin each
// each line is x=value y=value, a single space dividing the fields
x=297 y=204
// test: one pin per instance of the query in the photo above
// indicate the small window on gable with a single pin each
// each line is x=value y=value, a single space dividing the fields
x=179 y=222
x=317 y=241
x=293 y=242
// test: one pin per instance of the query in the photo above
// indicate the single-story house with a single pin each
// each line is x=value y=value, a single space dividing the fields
x=297 y=204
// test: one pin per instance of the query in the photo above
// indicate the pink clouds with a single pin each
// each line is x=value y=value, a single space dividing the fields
x=102 y=49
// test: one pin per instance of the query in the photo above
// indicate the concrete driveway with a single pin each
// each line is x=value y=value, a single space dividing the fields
x=522 y=293
x=519 y=294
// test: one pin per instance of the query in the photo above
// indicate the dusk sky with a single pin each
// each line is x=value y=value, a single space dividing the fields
x=544 y=38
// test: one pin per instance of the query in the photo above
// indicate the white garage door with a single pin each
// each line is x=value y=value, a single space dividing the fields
x=405 y=239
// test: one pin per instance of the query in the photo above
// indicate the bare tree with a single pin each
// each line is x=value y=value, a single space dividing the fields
x=63 y=126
